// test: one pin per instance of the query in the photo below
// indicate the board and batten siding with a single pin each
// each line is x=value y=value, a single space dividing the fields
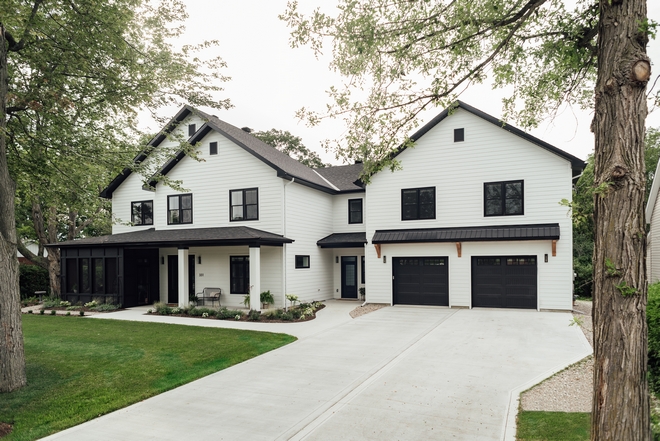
x=131 y=189
x=458 y=171
x=653 y=246
x=340 y=213
x=309 y=217
x=210 y=181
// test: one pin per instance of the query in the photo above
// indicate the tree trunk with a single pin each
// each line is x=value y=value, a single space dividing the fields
x=54 y=271
x=621 y=401
x=12 y=356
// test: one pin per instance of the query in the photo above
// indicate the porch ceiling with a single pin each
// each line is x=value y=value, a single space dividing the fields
x=152 y=238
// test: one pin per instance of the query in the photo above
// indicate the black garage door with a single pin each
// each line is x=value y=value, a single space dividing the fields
x=421 y=281
x=504 y=282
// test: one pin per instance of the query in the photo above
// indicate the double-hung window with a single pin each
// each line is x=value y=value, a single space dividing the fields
x=504 y=198
x=355 y=211
x=179 y=209
x=239 y=274
x=244 y=204
x=418 y=203
x=142 y=213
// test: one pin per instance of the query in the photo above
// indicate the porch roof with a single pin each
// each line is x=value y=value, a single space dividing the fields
x=343 y=240
x=469 y=234
x=220 y=236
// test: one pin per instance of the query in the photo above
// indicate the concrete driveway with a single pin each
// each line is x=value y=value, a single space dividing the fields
x=400 y=373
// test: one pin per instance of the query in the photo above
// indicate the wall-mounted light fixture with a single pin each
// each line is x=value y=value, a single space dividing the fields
x=199 y=260
x=336 y=259
x=162 y=260
x=546 y=258
x=384 y=258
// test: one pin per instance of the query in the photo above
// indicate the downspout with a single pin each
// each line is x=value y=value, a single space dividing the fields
x=284 y=245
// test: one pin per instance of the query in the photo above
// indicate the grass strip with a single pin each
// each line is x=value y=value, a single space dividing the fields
x=553 y=426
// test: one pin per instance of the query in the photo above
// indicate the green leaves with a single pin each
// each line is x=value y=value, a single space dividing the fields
x=400 y=58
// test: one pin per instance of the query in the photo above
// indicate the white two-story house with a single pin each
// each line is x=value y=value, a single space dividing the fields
x=472 y=220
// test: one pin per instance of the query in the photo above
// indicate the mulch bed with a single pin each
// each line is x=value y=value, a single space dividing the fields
x=5 y=429
x=244 y=317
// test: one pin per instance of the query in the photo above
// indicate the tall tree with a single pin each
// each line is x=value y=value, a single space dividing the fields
x=73 y=75
x=408 y=56
x=291 y=145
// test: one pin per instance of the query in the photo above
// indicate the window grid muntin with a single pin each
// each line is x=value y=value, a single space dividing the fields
x=355 y=211
x=244 y=204
x=179 y=209
x=418 y=203
x=504 y=199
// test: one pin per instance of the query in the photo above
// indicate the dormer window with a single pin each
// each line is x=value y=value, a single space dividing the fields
x=459 y=135
x=192 y=128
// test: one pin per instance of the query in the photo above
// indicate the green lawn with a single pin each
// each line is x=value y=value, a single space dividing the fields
x=81 y=368
x=553 y=426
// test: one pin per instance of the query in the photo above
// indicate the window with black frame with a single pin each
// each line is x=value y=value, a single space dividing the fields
x=142 y=213
x=355 y=211
x=504 y=198
x=418 y=203
x=179 y=209
x=239 y=274
x=244 y=204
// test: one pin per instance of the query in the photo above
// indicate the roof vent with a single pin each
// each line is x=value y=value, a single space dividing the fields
x=246 y=129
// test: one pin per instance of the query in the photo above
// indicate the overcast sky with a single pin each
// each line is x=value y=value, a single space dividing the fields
x=270 y=81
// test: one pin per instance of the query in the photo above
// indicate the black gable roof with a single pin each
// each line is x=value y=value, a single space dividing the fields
x=285 y=166
x=576 y=163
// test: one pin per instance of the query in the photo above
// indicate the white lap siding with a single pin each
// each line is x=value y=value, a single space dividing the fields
x=309 y=217
x=458 y=171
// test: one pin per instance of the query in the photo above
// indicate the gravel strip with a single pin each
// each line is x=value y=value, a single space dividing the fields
x=366 y=309
x=571 y=389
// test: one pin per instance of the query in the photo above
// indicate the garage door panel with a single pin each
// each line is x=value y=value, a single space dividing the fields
x=504 y=282
x=421 y=281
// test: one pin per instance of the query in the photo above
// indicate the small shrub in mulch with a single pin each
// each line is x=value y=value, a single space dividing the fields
x=300 y=313
x=56 y=304
x=5 y=429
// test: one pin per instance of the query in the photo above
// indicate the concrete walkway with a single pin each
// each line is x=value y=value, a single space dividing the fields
x=399 y=373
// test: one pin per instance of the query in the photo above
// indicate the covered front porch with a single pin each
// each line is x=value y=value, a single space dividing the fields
x=172 y=266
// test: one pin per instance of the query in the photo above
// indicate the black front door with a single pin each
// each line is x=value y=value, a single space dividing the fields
x=173 y=277
x=349 y=277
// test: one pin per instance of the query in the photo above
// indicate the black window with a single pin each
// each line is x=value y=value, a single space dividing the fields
x=302 y=261
x=84 y=275
x=355 y=211
x=213 y=148
x=244 y=204
x=142 y=213
x=239 y=274
x=459 y=135
x=418 y=203
x=72 y=275
x=192 y=128
x=179 y=209
x=503 y=198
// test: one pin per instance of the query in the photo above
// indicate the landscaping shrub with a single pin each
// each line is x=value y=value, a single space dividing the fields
x=105 y=307
x=254 y=316
x=32 y=278
x=286 y=316
x=275 y=314
x=225 y=313
x=653 y=321
x=51 y=302
x=199 y=312
x=162 y=309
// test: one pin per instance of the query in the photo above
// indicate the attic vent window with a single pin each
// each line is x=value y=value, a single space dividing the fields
x=459 y=135
x=213 y=148
x=192 y=128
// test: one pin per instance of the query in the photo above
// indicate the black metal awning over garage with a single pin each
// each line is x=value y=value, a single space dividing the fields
x=468 y=234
